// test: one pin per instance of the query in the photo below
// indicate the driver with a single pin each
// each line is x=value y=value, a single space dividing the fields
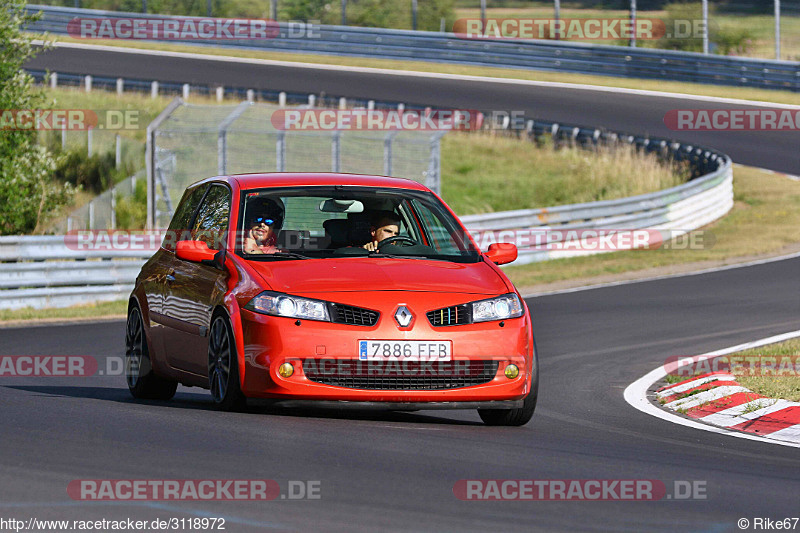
x=262 y=225
x=384 y=224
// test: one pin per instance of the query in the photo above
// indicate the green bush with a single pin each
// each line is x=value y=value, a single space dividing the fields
x=732 y=41
x=132 y=210
x=93 y=174
x=681 y=11
x=28 y=194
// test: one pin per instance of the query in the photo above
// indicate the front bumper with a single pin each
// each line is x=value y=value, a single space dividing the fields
x=270 y=341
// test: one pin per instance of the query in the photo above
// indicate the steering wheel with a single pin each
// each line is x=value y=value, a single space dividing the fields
x=397 y=238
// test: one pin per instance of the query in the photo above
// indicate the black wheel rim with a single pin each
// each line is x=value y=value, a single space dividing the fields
x=219 y=360
x=134 y=348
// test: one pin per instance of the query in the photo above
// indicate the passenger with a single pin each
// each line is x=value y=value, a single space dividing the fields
x=384 y=224
x=262 y=224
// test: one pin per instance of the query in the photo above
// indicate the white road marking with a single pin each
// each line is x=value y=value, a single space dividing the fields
x=677 y=389
x=736 y=415
x=636 y=395
x=700 y=398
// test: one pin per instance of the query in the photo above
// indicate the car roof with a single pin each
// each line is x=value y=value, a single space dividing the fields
x=299 y=179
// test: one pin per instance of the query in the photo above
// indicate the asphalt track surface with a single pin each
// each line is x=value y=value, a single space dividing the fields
x=637 y=114
x=396 y=471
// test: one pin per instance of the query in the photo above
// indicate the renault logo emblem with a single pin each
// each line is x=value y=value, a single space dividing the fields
x=403 y=316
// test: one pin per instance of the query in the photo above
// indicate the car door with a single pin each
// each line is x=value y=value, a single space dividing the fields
x=193 y=290
x=163 y=263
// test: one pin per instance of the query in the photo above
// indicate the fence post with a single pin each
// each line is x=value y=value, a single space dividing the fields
x=280 y=151
x=312 y=100
x=251 y=95
x=53 y=80
x=433 y=179
x=113 y=208
x=282 y=99
x=120 y=86
x=89 y=138
x=220 y=93
x=63 y=138
x=185 y=91
x=342 y=103
x=117 y=151
x=91 y=215
x=222 y=137
x=387 y=153
x=336 y=156
x=150 y=158
x=154 y=89
x=87 y=84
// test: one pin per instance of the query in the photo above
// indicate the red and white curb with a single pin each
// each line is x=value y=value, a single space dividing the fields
x=719 y=400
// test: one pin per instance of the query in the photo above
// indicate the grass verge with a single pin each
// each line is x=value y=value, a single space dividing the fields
x=784 y=97
x=764 y=220
x=785 y=385
x=484 y=173
x=98 y=310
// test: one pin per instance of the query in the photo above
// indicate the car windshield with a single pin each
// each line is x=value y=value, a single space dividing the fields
x=334 y=222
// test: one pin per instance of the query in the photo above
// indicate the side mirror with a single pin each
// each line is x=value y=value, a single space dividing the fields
x=502 y=253
x=195 y=251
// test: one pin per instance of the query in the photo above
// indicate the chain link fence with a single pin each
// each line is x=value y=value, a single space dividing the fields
x=190 y=142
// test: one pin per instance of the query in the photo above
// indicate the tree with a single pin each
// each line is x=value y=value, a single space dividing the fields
x=28 y=192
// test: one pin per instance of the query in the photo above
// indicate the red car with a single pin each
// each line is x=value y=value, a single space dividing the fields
x=332 y=288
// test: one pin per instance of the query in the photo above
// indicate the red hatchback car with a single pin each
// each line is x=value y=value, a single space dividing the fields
x=338 y=289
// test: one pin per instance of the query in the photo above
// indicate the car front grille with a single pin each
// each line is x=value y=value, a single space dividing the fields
x=406 y=375
x=450 y=316
x=347 y=314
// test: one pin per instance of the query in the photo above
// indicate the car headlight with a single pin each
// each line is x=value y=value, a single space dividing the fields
x=277 y=304
x=499 y=308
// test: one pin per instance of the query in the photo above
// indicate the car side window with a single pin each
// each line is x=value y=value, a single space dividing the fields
x=211 y=222
x=179 y=225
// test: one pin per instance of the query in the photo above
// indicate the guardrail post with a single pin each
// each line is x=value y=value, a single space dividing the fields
x=220 y=93
x=63 y=138
x=154 y=89
x=91 y=215
x=312 y=100
x=185 y=91
x=120 y=86
x=53 y=80
x=89 y=138
x=371 y=105
x=251 y=95
x=342 y=103
x=117 y=151
x=87 y=83
x=282 y=99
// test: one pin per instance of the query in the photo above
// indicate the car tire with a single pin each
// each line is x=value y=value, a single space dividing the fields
x=223 y=367
x=511 y=417
x=142 y=381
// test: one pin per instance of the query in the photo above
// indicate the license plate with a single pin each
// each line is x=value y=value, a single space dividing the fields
x=405 y=350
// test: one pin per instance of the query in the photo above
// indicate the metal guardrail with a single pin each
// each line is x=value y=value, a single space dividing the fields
x=581 y=58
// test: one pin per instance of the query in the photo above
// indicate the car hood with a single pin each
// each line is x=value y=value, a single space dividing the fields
x=373 y=274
